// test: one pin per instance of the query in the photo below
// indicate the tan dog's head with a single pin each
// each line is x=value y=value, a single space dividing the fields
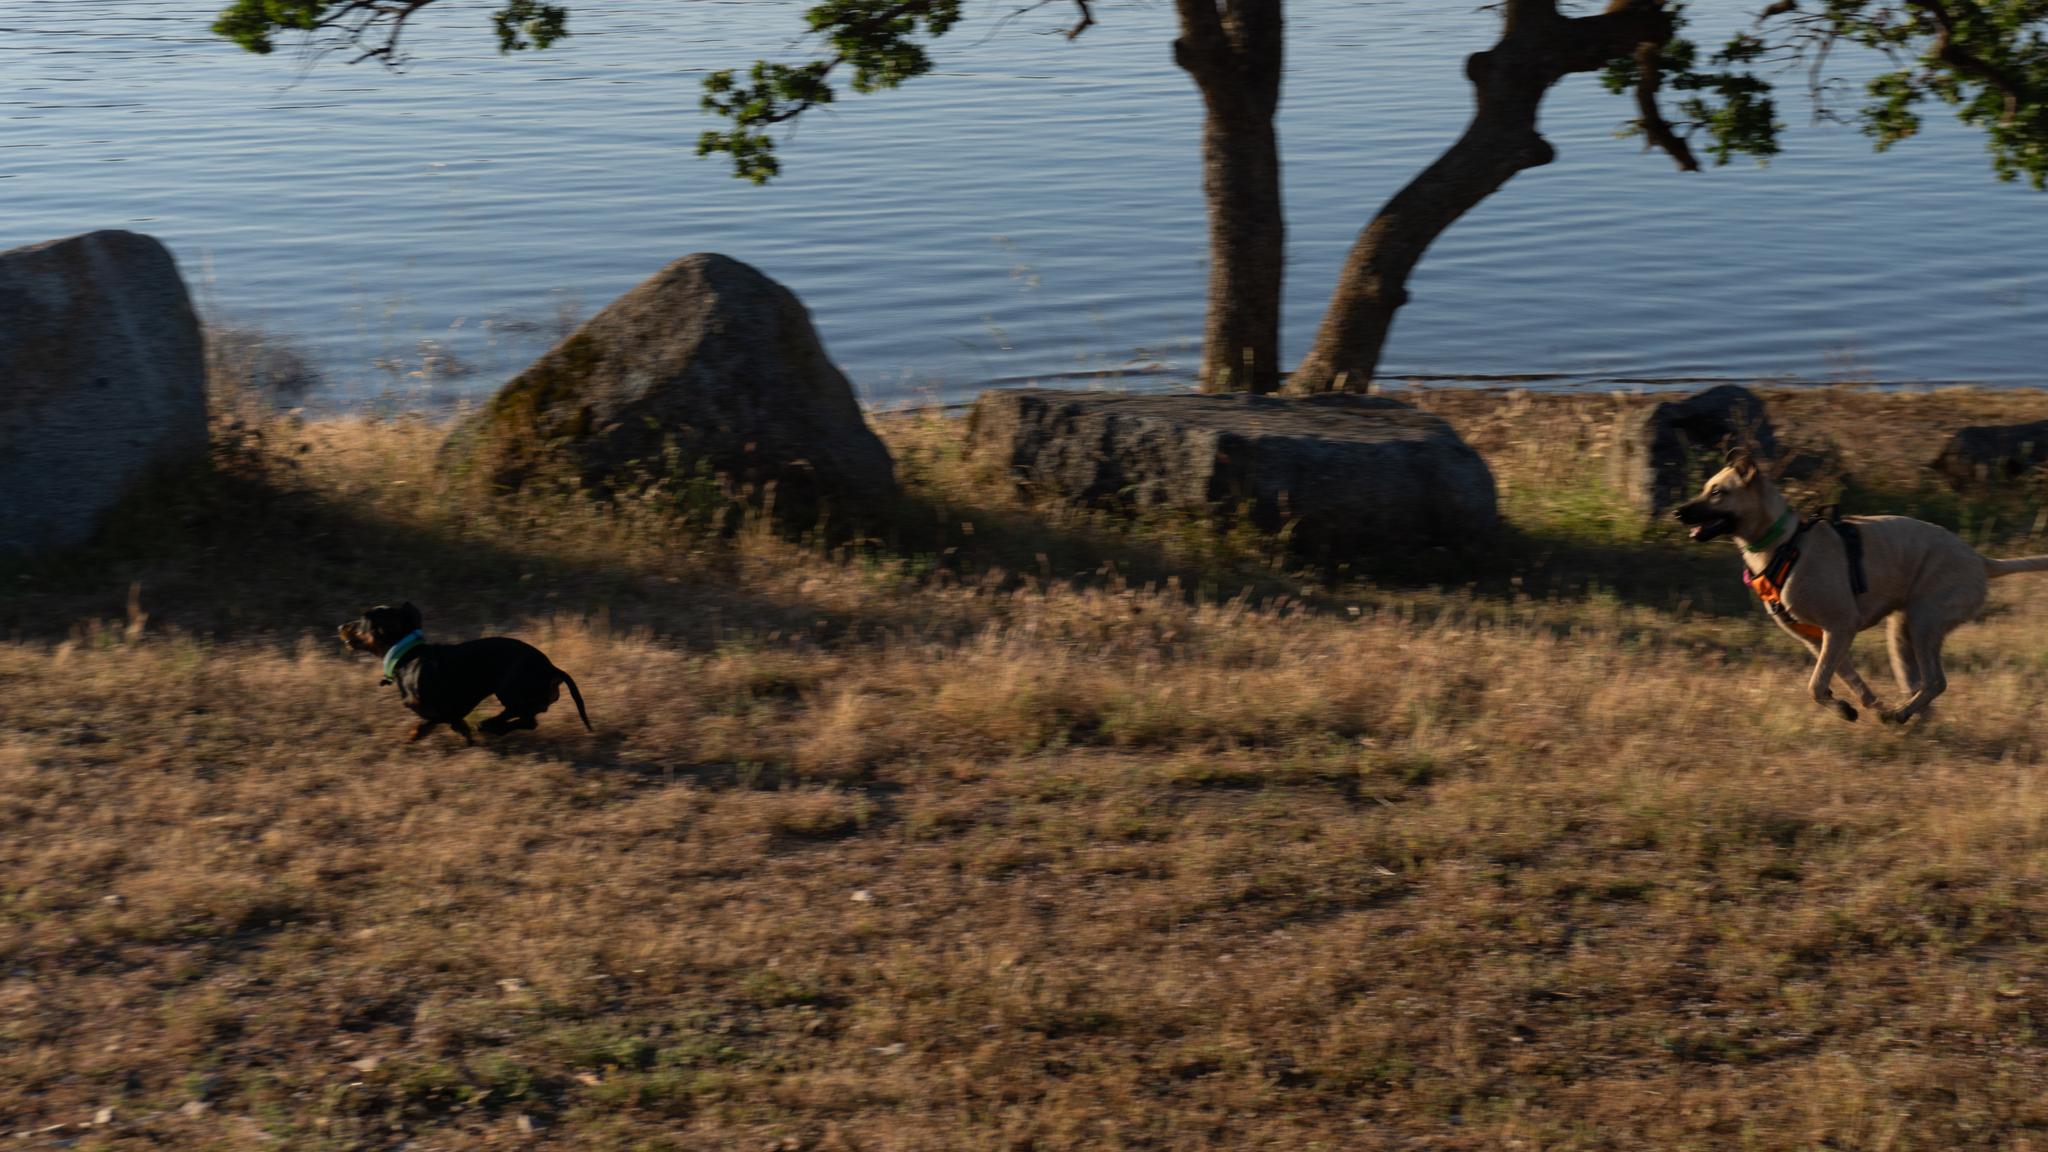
x=1736 y=493
x=380 y=628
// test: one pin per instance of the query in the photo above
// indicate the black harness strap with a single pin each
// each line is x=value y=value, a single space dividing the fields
x=1785 y=557
x=1770 y=583
x=1852 y=543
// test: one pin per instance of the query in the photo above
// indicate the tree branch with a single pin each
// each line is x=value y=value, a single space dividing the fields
x=878 y=40
x=1087 y=19
x=1201 y=34
x=375 y=26
x=399 y=13
x=1956 y=56
x=1516 y=15
x=858 y=28
x=1650 y=77
x=357 y=19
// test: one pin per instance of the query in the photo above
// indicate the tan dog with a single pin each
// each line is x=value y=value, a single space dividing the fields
x=1920 y=576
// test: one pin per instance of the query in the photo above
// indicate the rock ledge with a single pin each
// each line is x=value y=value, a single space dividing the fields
x=1344 y=475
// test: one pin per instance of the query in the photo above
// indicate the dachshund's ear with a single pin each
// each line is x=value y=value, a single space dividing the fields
x=1745 y=468
x=412 y=614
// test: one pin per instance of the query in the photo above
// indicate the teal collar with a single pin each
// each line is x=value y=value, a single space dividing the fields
x=1777 y=530
x=413 y=639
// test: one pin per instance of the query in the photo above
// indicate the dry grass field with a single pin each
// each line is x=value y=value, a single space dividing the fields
x=994 y=827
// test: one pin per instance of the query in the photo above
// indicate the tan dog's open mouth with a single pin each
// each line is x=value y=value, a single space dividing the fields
x=1711 y=529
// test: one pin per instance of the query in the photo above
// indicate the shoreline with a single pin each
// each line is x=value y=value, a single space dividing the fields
x=449 y=403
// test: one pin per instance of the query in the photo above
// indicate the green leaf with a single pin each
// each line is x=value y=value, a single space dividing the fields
x=878 y=39
x=250 y=23
x=524 y=24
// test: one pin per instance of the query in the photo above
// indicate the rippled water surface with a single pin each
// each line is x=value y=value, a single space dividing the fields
x=1034 y=210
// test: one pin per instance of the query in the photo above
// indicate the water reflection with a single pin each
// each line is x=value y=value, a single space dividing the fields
x=1031 y=213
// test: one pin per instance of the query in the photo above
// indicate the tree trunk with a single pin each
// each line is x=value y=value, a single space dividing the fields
x=1537 y=48
x=1233 y=51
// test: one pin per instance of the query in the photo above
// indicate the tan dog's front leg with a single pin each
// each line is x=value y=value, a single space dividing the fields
x=1850 y=678
x=1834 y=660
x=1854 y=683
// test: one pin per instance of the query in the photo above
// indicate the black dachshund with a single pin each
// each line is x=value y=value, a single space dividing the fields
x=443 y=683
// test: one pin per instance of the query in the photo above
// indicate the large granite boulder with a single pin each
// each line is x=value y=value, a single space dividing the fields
x=1354 y=475
x=707 y=363
x=102 y=375
x=1993 y=454
x=1661 y=456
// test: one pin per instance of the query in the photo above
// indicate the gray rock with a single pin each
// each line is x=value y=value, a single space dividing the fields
x=102 y=375
x=707 y=356
x=1992 y=454
x=1660 y=458
x=1355 y=475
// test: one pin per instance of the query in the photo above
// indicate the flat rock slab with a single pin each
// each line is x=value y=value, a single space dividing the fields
x=1988 y=455
x=1662 y=456
x=706 y=364
x=1352 y=475
x=102 y=375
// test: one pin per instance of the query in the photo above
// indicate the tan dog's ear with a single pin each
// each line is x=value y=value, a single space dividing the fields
x=1744 y=467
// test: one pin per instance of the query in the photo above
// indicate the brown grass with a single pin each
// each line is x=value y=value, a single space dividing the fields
x=884 y=847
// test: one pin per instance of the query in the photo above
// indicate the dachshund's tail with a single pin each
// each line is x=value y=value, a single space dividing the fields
x=577 y=697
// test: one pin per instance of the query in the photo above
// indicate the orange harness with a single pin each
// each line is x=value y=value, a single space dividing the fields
x=1769 y=584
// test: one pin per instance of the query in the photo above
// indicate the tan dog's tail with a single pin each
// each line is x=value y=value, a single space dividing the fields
x=1996 y=568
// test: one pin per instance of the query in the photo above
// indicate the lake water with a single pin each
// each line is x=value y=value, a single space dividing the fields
x=1033 y=212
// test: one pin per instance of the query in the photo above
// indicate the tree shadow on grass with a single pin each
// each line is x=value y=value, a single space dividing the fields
x=1569 y=541
x=989 y=537
x=1656 y=573
x=226 y=550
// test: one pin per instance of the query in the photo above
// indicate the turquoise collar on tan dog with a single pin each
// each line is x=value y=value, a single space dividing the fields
x=1777 y=528
x=413 y=639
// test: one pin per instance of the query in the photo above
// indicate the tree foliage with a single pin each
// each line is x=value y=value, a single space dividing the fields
x=1735 y=110
x=374 y=26
x=523 y=24
x=253 y=23
x=1987 y=60
x=876 y=38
